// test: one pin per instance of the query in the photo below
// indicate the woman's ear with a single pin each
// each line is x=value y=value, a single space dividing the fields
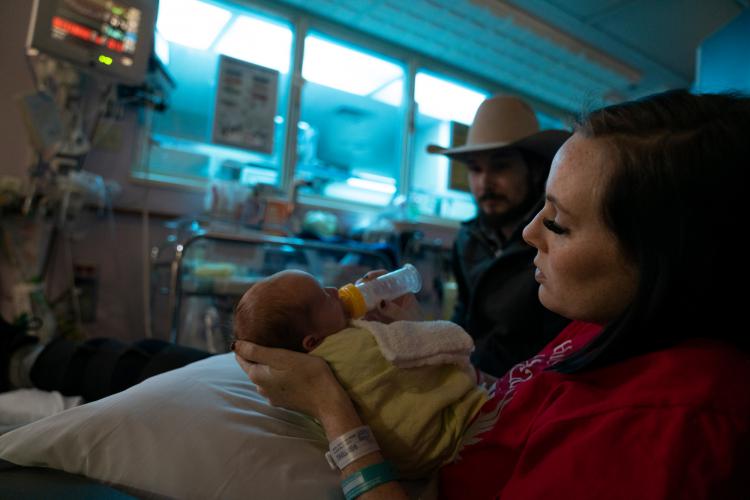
x=310 y=342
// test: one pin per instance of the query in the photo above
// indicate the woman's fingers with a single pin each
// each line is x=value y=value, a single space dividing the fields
x=371 y=275
x=294 y=380
x=244 y=364
x=254 y=353
x=404 y=308
x=255 y=371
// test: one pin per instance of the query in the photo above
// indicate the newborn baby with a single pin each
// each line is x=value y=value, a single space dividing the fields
x=419 y=415
x=290 y=310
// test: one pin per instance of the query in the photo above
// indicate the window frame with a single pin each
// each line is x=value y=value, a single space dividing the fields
x=302 y=23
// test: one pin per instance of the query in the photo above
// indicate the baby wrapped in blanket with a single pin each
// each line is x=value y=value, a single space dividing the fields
x=410 y=381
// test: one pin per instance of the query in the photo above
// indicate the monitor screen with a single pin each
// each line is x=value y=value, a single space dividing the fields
x=113 y=37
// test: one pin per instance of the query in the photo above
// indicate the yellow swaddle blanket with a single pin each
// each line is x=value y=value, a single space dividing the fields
x=418 y=415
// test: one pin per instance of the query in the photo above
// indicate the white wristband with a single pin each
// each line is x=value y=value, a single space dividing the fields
x=350 y=446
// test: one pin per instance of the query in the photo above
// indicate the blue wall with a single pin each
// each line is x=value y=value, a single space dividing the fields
x=724 y=58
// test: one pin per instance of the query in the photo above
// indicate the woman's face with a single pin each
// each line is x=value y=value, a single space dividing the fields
x=581 y=270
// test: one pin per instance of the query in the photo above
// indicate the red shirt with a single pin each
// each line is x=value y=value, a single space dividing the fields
x=668 y=424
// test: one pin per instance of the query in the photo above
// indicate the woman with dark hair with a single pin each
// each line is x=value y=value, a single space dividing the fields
x=646 y=394
x=673 y=196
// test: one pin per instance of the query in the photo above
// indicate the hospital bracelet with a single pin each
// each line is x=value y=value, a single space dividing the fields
x=350 y=446
x=367 y=478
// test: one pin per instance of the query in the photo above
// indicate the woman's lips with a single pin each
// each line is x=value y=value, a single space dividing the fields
x=538 y=275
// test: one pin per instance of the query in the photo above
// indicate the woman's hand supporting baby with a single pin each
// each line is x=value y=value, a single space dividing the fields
x=299 y=382
x=290 y=379
x=305 y=383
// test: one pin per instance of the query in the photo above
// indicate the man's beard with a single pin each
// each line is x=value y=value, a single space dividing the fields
x=512 y=216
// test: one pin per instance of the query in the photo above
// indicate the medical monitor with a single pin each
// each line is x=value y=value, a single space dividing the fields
x=110 y=37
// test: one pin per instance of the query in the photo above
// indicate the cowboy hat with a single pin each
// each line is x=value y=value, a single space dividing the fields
x=504 y=121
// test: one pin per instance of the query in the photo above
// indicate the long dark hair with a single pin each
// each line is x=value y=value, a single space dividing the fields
x=676 y=201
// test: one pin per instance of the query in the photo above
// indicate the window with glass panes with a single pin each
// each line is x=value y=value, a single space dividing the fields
x=351 y=134
x=351 y=122
x=443 y=106
x=192 y=37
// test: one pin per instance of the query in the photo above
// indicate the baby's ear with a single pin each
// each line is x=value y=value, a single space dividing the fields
x=310 y=342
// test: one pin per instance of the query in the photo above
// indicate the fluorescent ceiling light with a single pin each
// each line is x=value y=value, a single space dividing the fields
x=343 y=68
x=257 y=41
x=446 y=100
x=190 y=22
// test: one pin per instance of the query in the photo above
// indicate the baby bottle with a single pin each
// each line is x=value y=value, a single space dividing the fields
x=363 y=297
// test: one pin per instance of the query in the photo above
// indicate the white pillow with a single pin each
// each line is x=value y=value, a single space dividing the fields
x=199 y=432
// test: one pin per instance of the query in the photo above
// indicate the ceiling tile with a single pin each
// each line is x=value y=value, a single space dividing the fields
x=583 y=9
x=668 y=31
x=500 y=41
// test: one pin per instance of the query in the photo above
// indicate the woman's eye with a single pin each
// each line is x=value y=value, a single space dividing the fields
x=554 y=226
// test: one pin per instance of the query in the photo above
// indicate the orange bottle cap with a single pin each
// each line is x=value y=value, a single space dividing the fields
x=353 y=301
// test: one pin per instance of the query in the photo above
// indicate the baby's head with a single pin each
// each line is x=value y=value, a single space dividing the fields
x=290 y=310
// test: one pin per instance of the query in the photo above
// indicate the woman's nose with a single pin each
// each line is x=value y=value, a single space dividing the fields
x=529 y=232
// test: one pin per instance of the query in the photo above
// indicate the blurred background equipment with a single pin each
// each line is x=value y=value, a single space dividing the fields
x=114 y=39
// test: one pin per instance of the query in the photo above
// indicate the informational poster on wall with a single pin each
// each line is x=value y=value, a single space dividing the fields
x=245 y=105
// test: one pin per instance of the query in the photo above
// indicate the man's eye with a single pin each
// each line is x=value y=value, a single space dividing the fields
x=554 y=226
x=499 y=166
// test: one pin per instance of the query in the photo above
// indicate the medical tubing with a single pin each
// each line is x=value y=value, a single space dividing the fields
x=366 y=296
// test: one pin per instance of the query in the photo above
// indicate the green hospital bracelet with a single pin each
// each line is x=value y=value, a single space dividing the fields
x=367 y=478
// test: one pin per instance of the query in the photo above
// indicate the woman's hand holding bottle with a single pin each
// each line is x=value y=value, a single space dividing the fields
x=403 y=308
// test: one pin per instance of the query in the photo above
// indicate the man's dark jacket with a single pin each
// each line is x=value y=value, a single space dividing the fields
x=497 y=299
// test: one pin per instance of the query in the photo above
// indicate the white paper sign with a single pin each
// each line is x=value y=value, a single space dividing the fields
x=245 y=105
